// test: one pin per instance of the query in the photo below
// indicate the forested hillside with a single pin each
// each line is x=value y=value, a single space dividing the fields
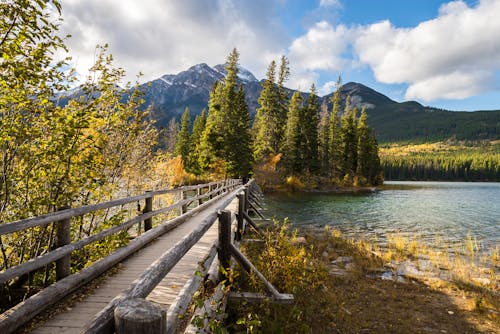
x=441 y=161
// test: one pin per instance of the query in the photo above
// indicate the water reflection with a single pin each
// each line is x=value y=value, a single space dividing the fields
x=430 y=210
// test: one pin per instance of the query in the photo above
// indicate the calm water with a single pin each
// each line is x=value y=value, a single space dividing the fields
x=445 y=211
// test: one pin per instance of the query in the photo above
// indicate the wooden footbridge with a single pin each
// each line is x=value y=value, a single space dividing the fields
x=156 y=272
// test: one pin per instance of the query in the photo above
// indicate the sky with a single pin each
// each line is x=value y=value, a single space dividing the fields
x=444 y=54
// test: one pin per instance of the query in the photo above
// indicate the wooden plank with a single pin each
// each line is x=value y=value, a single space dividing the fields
x=183 y=299
x=102 y=323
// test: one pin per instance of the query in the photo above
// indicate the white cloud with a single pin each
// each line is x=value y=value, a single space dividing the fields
x=330 y=3
x=327 y=88
x=320 y=48
x=158 y=37
x=453 y=56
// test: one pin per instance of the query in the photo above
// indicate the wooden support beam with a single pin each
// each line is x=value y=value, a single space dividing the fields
x=253 y=297
x=184 y=206
x=249 y=267
x=256 y=210
x=246 y=190
x=252 y=223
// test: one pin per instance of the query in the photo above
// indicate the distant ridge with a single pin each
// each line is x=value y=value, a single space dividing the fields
x=393 y=121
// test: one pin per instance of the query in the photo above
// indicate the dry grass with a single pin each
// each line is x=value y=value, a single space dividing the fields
x=360 y=301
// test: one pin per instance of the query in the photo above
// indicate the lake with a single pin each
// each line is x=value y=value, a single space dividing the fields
x=433 y=211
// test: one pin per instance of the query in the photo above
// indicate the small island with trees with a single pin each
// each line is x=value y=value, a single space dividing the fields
x=291 y=145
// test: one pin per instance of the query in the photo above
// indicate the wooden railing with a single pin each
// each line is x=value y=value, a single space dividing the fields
x=199 y=195
x=127 y=313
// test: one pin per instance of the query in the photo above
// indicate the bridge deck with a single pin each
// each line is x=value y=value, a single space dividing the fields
x=74 y=319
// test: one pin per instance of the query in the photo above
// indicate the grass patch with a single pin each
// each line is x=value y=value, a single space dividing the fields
x=350 y=295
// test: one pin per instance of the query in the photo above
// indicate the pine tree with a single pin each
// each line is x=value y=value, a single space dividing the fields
x=183 y=144
x=324 y=142
x=195 y=139
x=227 y=126
x=283 y=100
x=334 y=136
x=293 y=136
x=309 y=123
x=364 y=149
x=240 y=153
x=349 y=140
x=269 y=125
x=266 y=121
x=211 y=142
x=375 y=174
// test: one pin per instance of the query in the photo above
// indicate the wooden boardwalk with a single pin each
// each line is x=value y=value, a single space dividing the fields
x=74 y=319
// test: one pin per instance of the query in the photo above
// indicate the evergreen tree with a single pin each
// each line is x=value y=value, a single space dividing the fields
x=293 y=136
x=267 y=122
x=309 y=123
x=183 y=144
x=364 y=150
x=349 y=140
x=269 y=125
x=195 y=139
x=283 y=101
x=240 y=156
x=324 y=142
x=211 y=142
x=227 y=126
x=334 y=136
x=375 y=174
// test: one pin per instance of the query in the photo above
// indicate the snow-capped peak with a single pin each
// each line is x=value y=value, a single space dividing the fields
x=243 y=73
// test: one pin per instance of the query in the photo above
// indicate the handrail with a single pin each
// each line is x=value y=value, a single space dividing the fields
x=60 y=252
x=48 y=218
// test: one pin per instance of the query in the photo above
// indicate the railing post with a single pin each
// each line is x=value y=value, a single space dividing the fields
x=210 y=190
x=246 y=190
x=63 y=265
x=224 y=239
x=148 y=207
x=183 y=197
x=241 y=207
x=139 y=316
x=200 y=192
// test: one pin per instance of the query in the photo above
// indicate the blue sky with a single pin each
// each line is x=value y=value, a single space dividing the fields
x=441 y=53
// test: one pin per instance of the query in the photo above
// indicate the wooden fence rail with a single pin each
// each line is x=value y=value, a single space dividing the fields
x=24 y=311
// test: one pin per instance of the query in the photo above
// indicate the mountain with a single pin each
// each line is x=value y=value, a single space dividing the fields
x=410 y=121
x=170 y=94
x=393 y=121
